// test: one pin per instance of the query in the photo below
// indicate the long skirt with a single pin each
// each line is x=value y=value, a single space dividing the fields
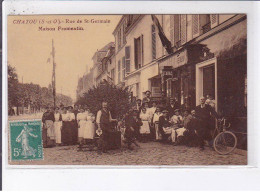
x=177 y=133
x=82 y=128
x=57 y=130
x=48 y=134
x=89 y=132
x=145 y=128
x=74 y=127
x=66 y=133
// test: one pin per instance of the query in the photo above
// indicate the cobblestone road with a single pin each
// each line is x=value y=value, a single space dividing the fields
x=151 y=153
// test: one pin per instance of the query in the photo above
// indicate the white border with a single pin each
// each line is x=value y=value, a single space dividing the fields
x=135 y=178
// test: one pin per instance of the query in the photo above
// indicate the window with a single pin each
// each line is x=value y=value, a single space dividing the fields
x=119 y=71
x=123 y=67
x=205 y=23
x=127 y=59
x=153 y=42
x=183 y=29
x=113 y=74
x=138 y=44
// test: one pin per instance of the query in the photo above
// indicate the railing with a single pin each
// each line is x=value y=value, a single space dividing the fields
x=206 y=28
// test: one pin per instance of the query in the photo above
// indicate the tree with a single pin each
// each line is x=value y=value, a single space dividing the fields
x=12 y=87
x=118 y=99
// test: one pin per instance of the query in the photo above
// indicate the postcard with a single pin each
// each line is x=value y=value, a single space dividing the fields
x=127 y=90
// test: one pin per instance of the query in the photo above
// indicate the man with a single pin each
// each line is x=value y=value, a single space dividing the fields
x=172 y=107
x=147 y=97
x=203 y=114
x=103 y=121
x=48 y=135
x=163 y=101
x=138 y=105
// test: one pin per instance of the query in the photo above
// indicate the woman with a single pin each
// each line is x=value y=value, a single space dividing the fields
x=89 y=132
x=82 y=120
x=48 y=135
x=57 y=126
x=145 y=128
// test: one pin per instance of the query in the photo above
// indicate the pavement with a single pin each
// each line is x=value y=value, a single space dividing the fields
x=151 y=153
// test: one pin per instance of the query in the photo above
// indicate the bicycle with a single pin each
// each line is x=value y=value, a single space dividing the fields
x=225 y=141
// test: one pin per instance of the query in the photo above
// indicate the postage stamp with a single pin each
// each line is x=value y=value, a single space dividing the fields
x=26 y=140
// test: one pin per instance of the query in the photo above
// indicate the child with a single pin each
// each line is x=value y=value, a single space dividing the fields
x=89 y=132
x=155 y=122
x=133 y=123
x=145 y=128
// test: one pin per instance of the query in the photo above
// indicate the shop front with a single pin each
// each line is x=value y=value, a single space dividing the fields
x=178 y=75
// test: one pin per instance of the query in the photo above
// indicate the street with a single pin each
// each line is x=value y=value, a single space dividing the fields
x=151 y=153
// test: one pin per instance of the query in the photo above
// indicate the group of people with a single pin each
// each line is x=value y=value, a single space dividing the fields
x=147 y=120
x=67 y=126
x=151 y=120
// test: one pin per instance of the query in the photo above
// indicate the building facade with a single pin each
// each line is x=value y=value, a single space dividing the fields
x=208 y=58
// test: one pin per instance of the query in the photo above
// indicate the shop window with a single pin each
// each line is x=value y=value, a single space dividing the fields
x=153 y=42
x=138 y=48
x=209 y=81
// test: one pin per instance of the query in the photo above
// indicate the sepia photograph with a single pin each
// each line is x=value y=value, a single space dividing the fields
x=127 y=90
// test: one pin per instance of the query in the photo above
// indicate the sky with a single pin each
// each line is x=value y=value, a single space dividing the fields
x=29 y=47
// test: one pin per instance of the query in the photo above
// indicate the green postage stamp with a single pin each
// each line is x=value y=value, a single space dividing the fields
x=26 y=140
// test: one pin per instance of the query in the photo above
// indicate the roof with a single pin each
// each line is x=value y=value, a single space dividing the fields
x=105 y=48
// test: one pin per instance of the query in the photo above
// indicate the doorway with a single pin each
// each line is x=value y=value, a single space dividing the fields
x=206 y=80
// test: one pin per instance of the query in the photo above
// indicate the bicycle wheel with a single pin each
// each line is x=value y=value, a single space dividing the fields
x=225 y=142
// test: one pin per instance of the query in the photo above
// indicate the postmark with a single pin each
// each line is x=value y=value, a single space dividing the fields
x=26 y=140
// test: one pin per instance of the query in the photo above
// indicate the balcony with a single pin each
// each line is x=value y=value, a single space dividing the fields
x=206 y=28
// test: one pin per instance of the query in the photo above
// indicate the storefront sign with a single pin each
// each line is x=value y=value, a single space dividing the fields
x=156 y=92
x=176 y=60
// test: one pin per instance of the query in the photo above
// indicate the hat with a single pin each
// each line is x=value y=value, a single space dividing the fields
x=147 y=91
x=165 y=111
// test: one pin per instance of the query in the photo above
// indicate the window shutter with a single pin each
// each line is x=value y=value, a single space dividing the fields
x=176 y=30
x=142 y=50
x=119 y=73
x=136 y=53
x=172 y=29
x=213 y=20
x=195 y=26
x=183 y=29
x=153 y=43
x=123 y=67
x=127 y=59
